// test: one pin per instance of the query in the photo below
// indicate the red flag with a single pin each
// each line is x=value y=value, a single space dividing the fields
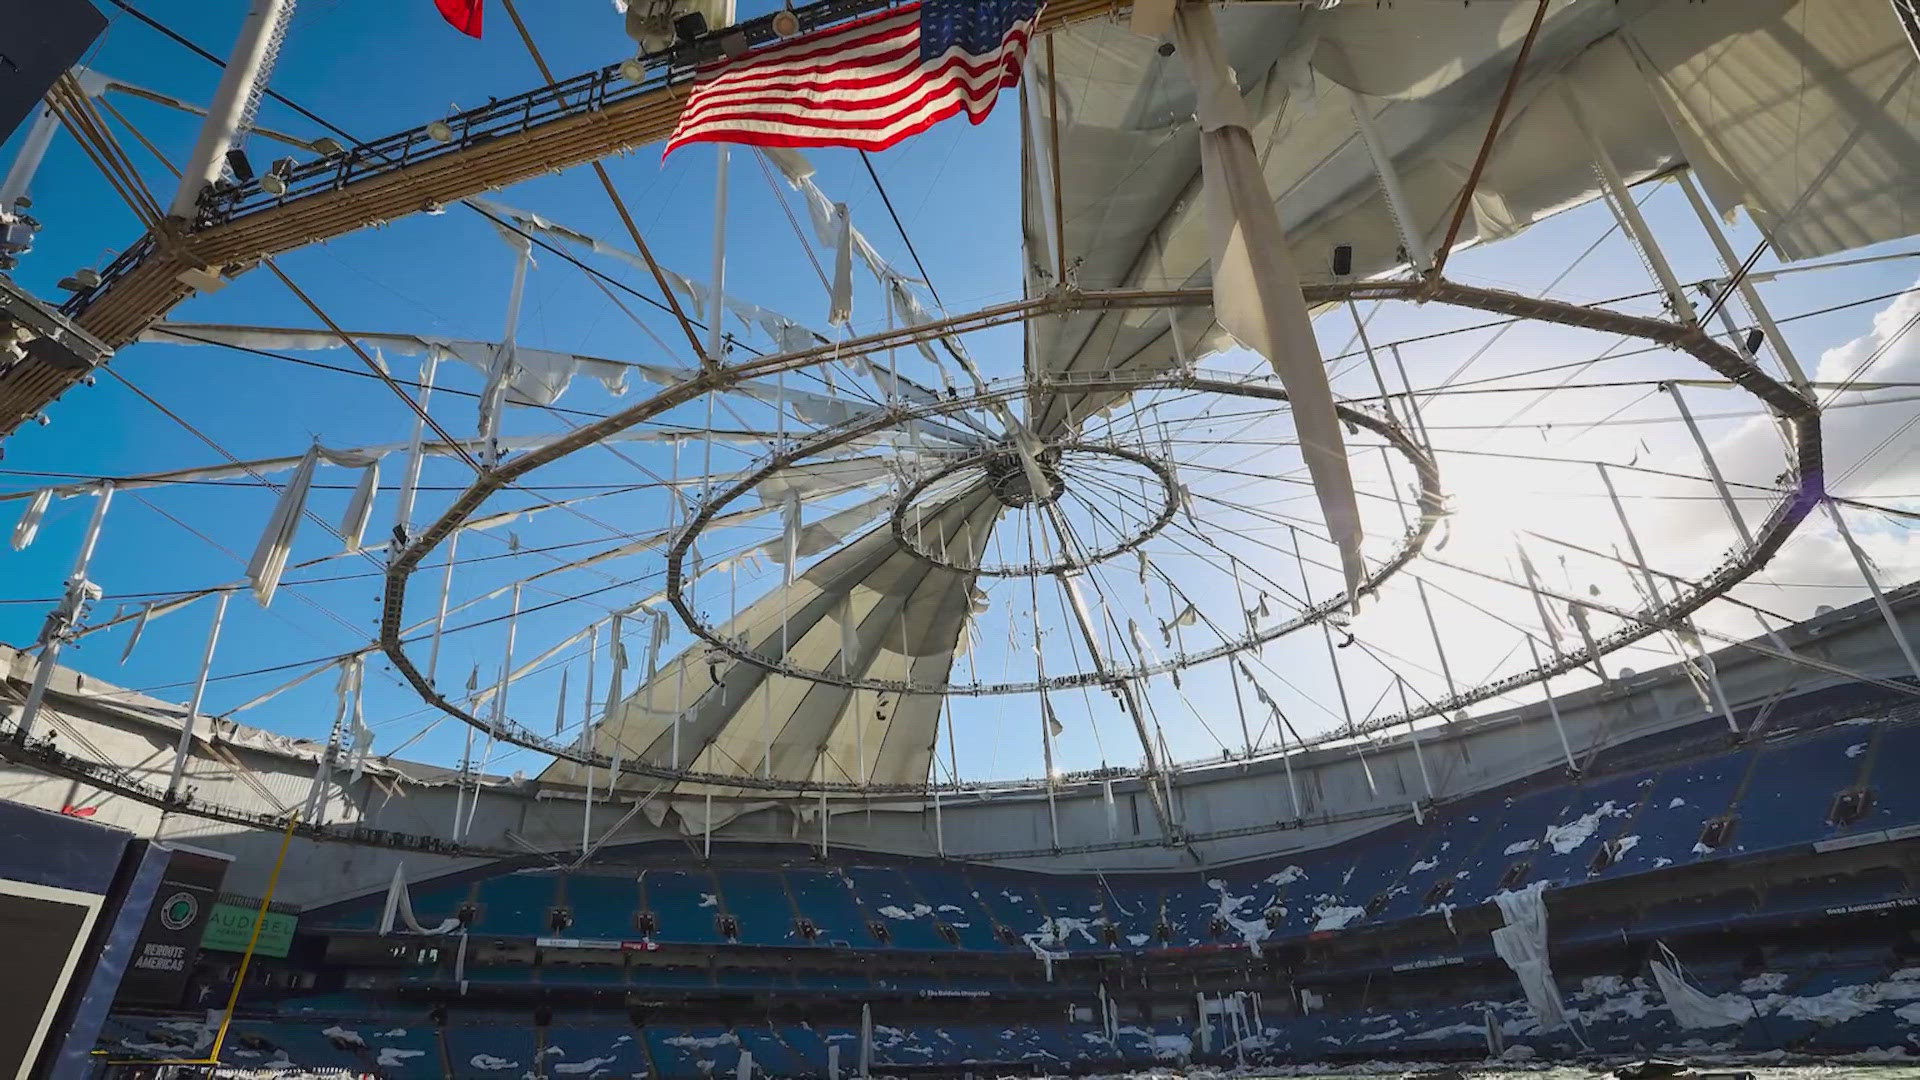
x=462 y=15
x=79 y=811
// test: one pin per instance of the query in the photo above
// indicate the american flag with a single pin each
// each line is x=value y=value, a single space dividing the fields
x=867 y=84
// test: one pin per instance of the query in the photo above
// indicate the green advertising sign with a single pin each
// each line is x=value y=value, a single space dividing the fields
x=230 y=927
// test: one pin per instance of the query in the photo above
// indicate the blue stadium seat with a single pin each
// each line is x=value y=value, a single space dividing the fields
x=515 y=904
x=910 y=922
x=824 y=897
x=502 y=1046
x=1384 y=871
x=1896 y=798
x=1793 y=786
x=1133 y=907
x=1518 y=829
x=951 y=893
x=1075 y=914
x=685 y=905
x=1597 y=812
x=773 y=1057
x=757 y=899
x=590 y=1050
x=693 y=1053
x=1012 y=903
x=603 y=906
x=432 y=903
x=1678 y=804
x=1188 y=906
x=809 y=1043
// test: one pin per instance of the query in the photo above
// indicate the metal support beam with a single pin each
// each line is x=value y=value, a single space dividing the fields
x=1627 y=211
x=717 y=307
x=1124 y=691
x=586 y=733
x=1553 y=707
x=33 y=150
x=62 y=621
x=1873 y=585
x=440 y=618
x=185 y=749
x=1748 y=294
x=410 y=481
x=1908 y=12
x=1418 y=254
x=1713 y=467
x=1433 y=628
x=1633 y=539
x=245 y=69
x=1413 y=736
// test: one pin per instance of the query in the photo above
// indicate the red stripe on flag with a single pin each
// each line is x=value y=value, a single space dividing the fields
x=848 y=94
x=462 y=15
x=716 y=120
x=860 y=85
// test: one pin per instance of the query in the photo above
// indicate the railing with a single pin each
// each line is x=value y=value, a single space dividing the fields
x=588 y=92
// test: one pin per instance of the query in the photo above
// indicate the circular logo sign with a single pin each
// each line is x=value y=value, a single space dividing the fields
x=179 y=911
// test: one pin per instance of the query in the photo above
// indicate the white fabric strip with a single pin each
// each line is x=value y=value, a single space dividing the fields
x=276 y=542
x=28 y=526
x=1256 y=291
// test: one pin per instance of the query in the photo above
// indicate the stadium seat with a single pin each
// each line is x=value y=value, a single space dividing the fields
x=824 y=898
x=757 y=899
x=602 y=905
x=910 y=922
x=516 y=904
x=1791 y=792
x=685 y=905
x=1679 y=802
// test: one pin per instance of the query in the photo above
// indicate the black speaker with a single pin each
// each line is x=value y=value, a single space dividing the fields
x=39 y=39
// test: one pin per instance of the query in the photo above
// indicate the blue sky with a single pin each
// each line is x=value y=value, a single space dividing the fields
x=377 y=67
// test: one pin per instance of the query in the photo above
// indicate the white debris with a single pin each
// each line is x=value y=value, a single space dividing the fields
x=1252 y=930
x=1423 y=866
x=1172 y=1046
x=576 y=1068
x=489 y=1063
x=392 y=1057
x=708 y=899
x=1856 y=749
x=1567 y=838
x=344 y=1035
x=1522 y=846
x=1336 y=918
x=892 y=912
x=1286 y=876
x=1676 y=803
x=694 y=1042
